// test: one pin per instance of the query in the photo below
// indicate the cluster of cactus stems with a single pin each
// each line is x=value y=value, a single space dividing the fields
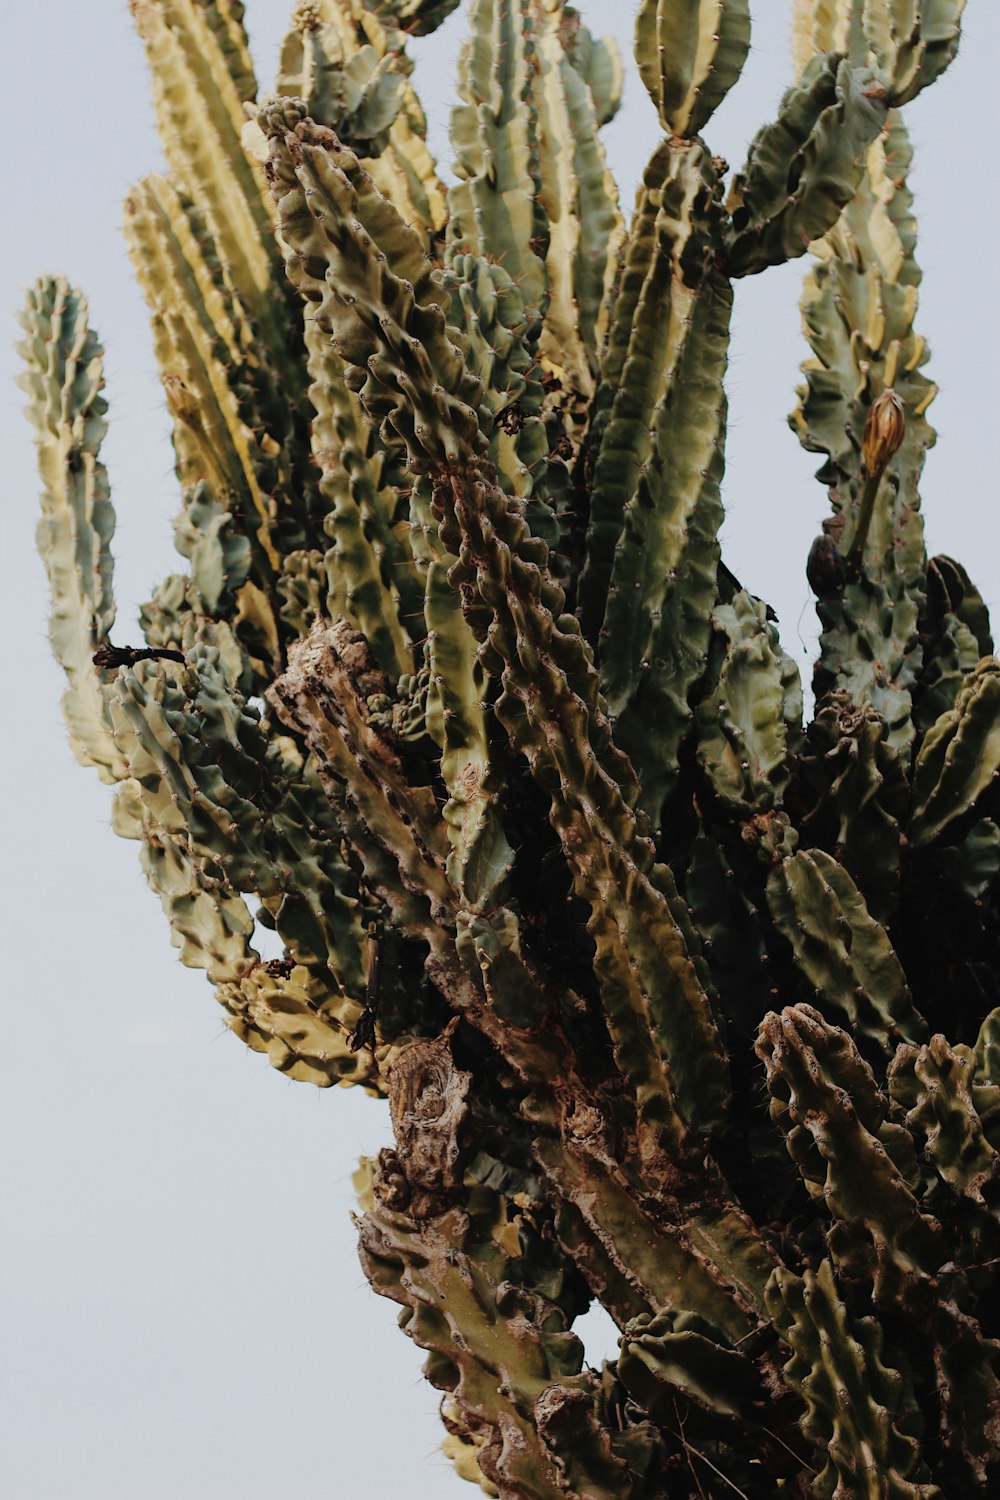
x=679 y=1003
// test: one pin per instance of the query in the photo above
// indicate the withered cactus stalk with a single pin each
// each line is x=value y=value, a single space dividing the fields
x=679 y=1003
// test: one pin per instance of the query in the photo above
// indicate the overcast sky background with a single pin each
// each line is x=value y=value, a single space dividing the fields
x=181 y=1309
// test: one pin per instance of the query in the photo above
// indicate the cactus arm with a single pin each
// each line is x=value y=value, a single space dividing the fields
x=857 y=973
x=825 y=1100
x=579 y=199
x=198 y=757
x=63 y=381
x=347 y=248
x=657 y=1364
x=456 y=719
x=598 y=62
x=625 y=297
x=854 y=793
x=302 y=1027
x=352 y=72
x=912 y=44
x=690 y=53
x=370 y=564
x=655 y=499
x=804 y=169
x=356 y=91
x=502 y=1351
x=495 y=207
x=859 y=305
x=959 y=759
x=749 y=723
x=416 y=17
x=935 y=1086
x=299 y=1021
x=856 y=1400
x=909 y=44
x=202 y=75
x=210 y=929
x=643 y=954
x=489 y=309
x=198 y=335
x=652 y=552
x=955 y=629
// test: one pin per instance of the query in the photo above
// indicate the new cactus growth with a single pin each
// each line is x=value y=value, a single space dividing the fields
x=679 y=1003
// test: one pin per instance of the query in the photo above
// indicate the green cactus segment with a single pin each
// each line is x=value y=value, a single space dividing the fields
x=909 y=44
x=301 y=1025
x=494 y=208
x=937 y=1088
x=661 y=441
x=958 y=764
x=63 y=381
x=860 y=1409
x=663 y=583
x=349 y=66
x=749 y=724
x=202 y=339
x=202 y=76
x=955 y=628
x=359 y=98
x=912 y=43
x=805 y=168
x=858 y=307
x=406 y=174
x=370 y=565
x=825 y=1099
x=499 y=1347
x=987 y=1049
x=825 y=26
x=855 y=795
x=534 y=190
x=841 y=950
x=348 y=250
x=211 y=929
x=487 y=306
x=198 y=755
x=456 y=721
x=690 y=53
x=598 y=62
x=418 y=17
x=580 y=203
x=664 y=1356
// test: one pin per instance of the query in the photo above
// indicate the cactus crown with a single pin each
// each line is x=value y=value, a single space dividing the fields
x=679 y=1003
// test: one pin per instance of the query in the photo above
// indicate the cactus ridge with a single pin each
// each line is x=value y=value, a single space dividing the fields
x=679 y=1002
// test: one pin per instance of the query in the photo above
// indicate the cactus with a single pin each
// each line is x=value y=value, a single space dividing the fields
x=680 y=1004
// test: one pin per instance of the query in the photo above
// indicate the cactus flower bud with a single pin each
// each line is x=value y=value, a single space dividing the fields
x=884 y=430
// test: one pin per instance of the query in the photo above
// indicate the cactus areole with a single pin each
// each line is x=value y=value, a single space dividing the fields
x=679 y=1003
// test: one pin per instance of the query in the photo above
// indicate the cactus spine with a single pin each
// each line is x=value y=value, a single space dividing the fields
x=679 y=1003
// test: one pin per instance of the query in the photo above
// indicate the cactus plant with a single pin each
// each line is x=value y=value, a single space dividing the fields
x=680 y=1004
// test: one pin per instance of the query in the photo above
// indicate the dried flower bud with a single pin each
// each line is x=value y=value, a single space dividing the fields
x=884 y=429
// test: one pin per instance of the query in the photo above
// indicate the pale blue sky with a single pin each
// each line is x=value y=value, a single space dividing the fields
x=183 y=1316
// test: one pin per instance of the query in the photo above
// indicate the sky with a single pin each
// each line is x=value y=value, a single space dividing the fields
x=181 y=1307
